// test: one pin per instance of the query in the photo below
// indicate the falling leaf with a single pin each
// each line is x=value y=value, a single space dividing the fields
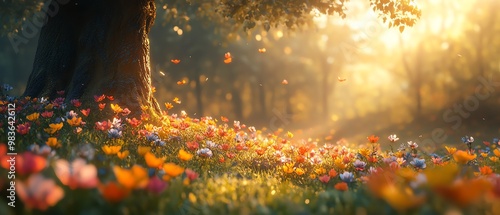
x=176 y=100
x=228 y=60
x=224 y=119
x=401 y=28
x=227 y=55
x=181 y=82
x=284 y=82
x=342 y=79
x=262 y=50
x=162 y=73
x=175 y=61
x=169 y=105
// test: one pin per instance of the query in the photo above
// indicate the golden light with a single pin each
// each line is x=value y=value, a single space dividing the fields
x=258 y=37
x=179 y=32
x=176 y=28
x=287 y=50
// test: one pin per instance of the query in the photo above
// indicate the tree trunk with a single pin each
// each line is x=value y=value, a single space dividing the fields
x=96 y=47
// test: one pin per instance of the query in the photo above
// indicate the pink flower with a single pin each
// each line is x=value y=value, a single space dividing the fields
x=76 y=174
x=192 y=175
x=156 y=185
x=47 y=114
x=26 y=163
x=324 y=178
x=134 y=122
x=38 y=192
x=76 y=102
x=23 y=129
x=126 y=112
x=104 y=125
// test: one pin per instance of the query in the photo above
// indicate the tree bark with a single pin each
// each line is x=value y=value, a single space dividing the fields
x=95 y=47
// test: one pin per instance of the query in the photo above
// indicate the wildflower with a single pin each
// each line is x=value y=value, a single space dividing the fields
x=26 y=163
x=54 y=127
x=211 y=144
x=467 y=139
x=393 y=138
x=205 y=152
x=113 y=192
x=299 y=171
x=192 y=145
x=169 y=105
x=320 y=171
x=485 y=170
x=172 y=169
x=76 y=174
x=33 y=116
x=111 y=150
x=136 y=177
x=102 y=106
x=126 y=112
x=364 y=152
x=192 y=175
x=156 y=185
x=123 y=154
x=373 y=139
x=418 y=163
x=53 y=142
x=412 y=145
x=184 y=155
x=359 y=165
x=116 y=108
x=332 y=173
x=23 y=129
x=142 y=150
x=451 y=150
x=47 y=114
x=134 y=122
x=324 y=178
x=494 y=159
x=495 y=141
x=38 y=192
x=102 y=126
x=75 y=121
x=341 y=186
x=347 y=177
x=339 y=163
x=463 y=192
x=152 y=161
x=114 y=133
x=116 y=124
x=496 y=152
x=463 y=157
x=288 y=168
x=400 y=198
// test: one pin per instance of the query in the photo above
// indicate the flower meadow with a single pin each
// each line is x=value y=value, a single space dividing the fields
x=96 y=157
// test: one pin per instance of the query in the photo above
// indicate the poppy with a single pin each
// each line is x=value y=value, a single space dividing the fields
x=136 y=177
x=38 y=192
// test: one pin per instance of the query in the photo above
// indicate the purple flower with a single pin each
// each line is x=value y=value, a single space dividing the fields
x=347 y=177
x=156 y=185
x=114 y=133
x=359 y=165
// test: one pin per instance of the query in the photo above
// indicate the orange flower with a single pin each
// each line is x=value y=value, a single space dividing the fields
x=494 y=159
x=102 y=106
x=451 y=150
x=53 y=142
x=53 y=128
x=33 y=116
x=172 y=169
x=142 y=150
x=228 y=60
x=136 y=177
x=288 y=168
x=401 y=198
x=485 y=170
x=184 y=155
x=496 y=152
x=342 y=186
x=332 y=173
x=175 y=61
x=177 y=100
x=75 y=121
x=373 y=139
x=299 y=171
x=464 y=192
x=320 y=171
x=152 y=161
x=463 y=157
x=123 y=154
x=111 y=150
x=262 y=50
x=169 y=105
x=113 y=192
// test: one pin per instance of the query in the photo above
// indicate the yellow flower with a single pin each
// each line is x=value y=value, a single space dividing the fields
x=75 y=121
x=53 y=128
x=53 y=142
x=399 y=154
x=172 y=169
x=184 y=155
x=441 y=175
x=289 y=134
x=33 y=116
x=496 y=152
x=49 y=107
x=312 y=176
x=451 y=150
x=320 y=171
x=339 y=163
x=463 y=157
x=111 y=150
x=142 y=150
x=288 y=168
x=123 y=154
x=300 y=171
x=484 y=154
x=116 y=108
x=152 y=161
x=136 y=177
x=364 y=151
x=400 y=198
x=148 y=127
x=494 y=159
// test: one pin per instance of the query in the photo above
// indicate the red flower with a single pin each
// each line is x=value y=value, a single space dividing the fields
x=99 y=98
x=76 y=102
x=85 y=112
x=23 y=129
x=134 y=122
x=324 y=178
x=224 y=146
x=25 y=163
x=192 y=145
x=373 y=139
x=47 y=114
x=102 y=126
x=260 y=151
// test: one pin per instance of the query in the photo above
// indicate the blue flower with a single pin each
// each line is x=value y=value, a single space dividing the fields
x=114 y=133
x=347 y=177
x=418 y=163
x=159 y=142
x=7 y=87
x=205 y=152
x=495 y=140
x=151 y=137
x=468 y=139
